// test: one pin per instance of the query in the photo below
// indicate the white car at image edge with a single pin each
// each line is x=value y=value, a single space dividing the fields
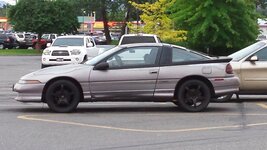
x=69 y=50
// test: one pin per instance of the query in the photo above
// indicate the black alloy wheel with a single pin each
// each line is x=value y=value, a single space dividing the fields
x=62 y=96
x=193 y=96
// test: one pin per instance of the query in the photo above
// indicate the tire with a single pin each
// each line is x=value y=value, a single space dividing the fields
x=34 y=46
x=62 y=96
x=43 y=66
x=43 y=46
x=23 y=47
x=85 y=58
x=2 y=46
x=223 y=98
x=193 y=96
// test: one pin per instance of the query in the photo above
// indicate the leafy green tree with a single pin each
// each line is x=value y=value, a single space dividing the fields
x=110 y=10
x=42 y=16
x=157 y=21
x=217 y=27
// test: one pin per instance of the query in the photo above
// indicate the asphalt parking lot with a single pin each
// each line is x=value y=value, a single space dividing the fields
x=118 y=126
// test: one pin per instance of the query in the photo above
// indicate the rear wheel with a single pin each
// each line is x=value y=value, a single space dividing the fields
x=193 y=96
x=62 y=96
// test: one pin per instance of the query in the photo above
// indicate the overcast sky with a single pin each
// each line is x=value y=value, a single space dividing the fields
x=12 y=2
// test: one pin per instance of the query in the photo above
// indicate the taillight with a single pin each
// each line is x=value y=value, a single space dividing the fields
x=7 y=39
x=229 y=69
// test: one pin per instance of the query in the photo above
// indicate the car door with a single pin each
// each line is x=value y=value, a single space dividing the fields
x=91 y=50
x=132 y=74
x=254 y=73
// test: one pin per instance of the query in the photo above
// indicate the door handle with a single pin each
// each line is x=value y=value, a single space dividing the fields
x=153 y=72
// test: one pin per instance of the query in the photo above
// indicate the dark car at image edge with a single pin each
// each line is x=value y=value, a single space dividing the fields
x=8 y=41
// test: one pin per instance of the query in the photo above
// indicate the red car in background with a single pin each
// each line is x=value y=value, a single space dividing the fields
x=46 y=38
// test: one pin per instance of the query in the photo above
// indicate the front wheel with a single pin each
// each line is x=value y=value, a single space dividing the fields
x=43 y=66
x=62 y=96
x=193 y=96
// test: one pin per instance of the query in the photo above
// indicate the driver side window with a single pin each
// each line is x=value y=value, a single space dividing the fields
x=134 y=57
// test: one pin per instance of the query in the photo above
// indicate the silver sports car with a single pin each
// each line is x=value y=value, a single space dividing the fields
x=134 y=72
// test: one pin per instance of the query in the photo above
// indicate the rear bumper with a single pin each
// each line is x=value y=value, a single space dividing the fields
x=224 y=86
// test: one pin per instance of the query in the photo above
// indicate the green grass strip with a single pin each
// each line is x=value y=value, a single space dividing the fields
x=20 y=52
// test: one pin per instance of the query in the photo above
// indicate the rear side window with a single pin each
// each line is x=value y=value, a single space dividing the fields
x=180 y=55
x=137 y=39
x=52 y=36
x=176 y=55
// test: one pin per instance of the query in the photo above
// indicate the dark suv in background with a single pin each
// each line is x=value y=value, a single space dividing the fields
x=8 y=41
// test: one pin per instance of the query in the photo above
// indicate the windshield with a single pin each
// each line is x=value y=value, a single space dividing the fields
x=101 y=56
x=69 y=42
x=246 y=51
x=45 y=36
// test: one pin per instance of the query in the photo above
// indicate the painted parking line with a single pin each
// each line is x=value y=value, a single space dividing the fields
x=36 y=118
x=262 y=105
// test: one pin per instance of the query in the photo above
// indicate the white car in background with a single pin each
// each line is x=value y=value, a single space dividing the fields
x=73 y=49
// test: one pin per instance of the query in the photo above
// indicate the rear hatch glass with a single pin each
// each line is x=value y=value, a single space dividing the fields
x=138 y=39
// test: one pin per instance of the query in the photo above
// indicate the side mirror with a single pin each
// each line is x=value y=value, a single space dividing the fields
x=89 y=45
x=254 y=58
x=102 y=66
x=48 y=44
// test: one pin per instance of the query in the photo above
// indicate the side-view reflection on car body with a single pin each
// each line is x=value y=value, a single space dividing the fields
x=250 y=65
x=135 y=72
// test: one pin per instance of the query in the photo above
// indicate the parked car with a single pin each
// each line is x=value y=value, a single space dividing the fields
x=46 y=38
x=250 y=65
x=139 y=38
x=100 y=39
x=138 y=72
x=24 y=40
x=8 y=41
x=69 y=50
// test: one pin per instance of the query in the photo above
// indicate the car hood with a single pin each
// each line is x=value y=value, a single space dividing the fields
x=79 y=72
x=64 y=47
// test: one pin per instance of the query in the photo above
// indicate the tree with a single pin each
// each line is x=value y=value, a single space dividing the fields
x=42 y=16
x=157 y=20
x=110 y=10
x=219 y=27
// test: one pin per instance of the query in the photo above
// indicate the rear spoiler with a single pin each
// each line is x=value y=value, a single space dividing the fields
x=213 y=60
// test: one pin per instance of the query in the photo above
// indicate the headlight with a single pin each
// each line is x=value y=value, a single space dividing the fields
x=29 y=81
x=75 y=52
x=46 y=52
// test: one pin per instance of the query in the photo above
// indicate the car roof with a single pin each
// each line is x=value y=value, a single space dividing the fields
x=73 y=36
x=139 y=34
x=150 y=44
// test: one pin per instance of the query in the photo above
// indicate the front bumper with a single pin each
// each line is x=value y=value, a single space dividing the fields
x=28 y=92
x=61 y=60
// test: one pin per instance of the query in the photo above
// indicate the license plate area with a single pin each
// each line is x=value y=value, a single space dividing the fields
x=59 y=59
